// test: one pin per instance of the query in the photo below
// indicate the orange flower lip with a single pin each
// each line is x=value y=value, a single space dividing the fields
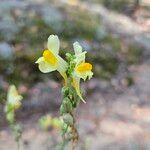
x=84 y=67
x=49 y=57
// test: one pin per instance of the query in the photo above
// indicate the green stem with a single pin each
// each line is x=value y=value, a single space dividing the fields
x=73 y=131
x=18 y=145
x=75 y=134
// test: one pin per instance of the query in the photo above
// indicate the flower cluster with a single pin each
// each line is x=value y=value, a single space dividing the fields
x=76 y=68
x=73 y=69
x=13 y=103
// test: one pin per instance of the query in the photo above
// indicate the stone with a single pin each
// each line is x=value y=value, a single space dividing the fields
x=52 y=17
x=6 y=51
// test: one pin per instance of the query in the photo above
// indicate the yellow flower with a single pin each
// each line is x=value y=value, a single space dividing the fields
x=45 y=122
x=82 y=68
x=13 y=98
x=51 y=61
x=48 y=121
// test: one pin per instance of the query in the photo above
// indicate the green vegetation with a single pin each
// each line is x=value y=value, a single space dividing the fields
x=117 y=5
x=80 y=24
x=134 y=54
x=105 y=64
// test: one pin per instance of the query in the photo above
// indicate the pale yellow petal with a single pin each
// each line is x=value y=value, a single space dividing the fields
x=76 y=84
x=53 y=44
x=77 y=48
x=39 y=60
x=90 y=75
x=85 y=75
x=44 y=66
x=80 y=58
x=62 y=66
x=12 y=91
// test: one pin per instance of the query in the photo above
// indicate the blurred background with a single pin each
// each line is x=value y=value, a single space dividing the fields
x=116 y=34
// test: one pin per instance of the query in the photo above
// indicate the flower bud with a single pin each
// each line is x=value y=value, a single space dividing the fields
x=65 y=91
x=67 y=104
x=68 y=119
x=63 y=109
x=10 y=117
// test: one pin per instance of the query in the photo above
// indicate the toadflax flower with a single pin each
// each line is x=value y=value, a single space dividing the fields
x=51 y=61
x=13 y=98
x=82 y=70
